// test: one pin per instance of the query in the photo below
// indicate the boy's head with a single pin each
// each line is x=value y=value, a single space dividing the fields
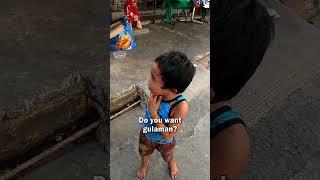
x=242 y=31
x=172 y=73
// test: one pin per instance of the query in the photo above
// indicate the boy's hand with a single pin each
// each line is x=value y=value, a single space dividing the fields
x=154 y=103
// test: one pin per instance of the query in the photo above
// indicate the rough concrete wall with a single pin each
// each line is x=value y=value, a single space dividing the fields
x=38 y=118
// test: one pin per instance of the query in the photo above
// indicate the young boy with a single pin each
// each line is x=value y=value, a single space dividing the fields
x=171 y=74
x=242 y=31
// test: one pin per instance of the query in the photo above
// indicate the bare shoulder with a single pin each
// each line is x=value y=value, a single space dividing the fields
x=230 y=149
x=233 y=132
x=180 y=109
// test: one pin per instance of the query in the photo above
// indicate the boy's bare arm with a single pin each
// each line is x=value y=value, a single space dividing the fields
x=229 y=152
x=180 y=111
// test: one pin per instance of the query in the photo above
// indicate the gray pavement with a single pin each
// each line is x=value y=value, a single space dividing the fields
x=72 y=164
x=82 y=161
x=286 y=142
x=42 y=42
x=292 y=58
x=192 y=39
x=316 y=21
x=192 y=151
x=281 y=104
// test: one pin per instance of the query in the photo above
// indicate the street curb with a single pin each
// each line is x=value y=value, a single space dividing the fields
x=122 y=98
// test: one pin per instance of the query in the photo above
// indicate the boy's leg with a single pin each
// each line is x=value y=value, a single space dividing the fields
x=173 y=168
x=166 y=151
x=142 y=172
x=146 y=148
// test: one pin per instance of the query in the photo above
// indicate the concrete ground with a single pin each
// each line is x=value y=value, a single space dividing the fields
x=316 y=21
x=42 y=42
x=192 y=151
x=292 y=58
x=281 y=104
x=192 y=39
x=286 y=142
x=124 y=157
x=83 y=161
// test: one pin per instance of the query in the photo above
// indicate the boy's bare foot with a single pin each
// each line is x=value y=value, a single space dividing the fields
x=173 y=169
x=142 y=173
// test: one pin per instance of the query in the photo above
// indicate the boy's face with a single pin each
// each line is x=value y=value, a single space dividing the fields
x=155 y=82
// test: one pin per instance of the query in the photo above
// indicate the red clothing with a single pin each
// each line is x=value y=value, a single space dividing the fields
x=131 y=10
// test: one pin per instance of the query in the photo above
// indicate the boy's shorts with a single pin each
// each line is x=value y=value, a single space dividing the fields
x=147 y=147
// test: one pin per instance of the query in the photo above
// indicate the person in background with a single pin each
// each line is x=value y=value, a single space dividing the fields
x=131 y=11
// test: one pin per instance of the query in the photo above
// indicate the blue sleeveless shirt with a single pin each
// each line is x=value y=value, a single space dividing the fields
x=164 y=113
x=223 y=118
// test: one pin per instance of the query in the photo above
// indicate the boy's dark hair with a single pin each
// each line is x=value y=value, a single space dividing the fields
x=176 y=69
x=242 y=31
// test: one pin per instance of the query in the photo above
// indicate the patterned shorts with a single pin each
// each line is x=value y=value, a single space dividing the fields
x=147 y=147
